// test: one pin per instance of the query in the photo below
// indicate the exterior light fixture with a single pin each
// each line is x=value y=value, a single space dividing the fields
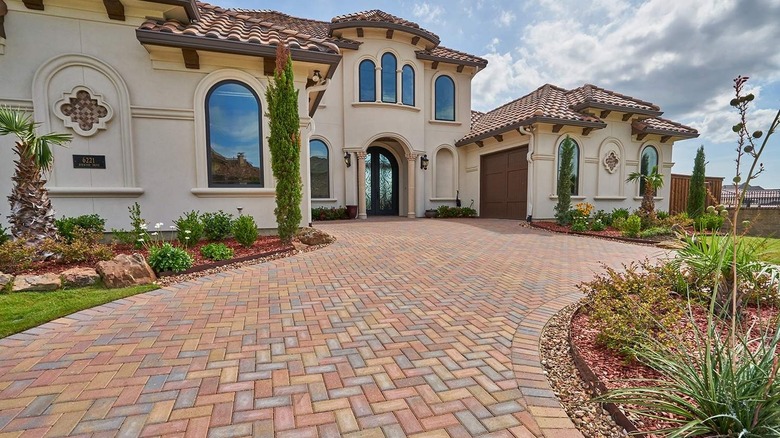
x=424 y=162
x=348 y=159
x=317 y=77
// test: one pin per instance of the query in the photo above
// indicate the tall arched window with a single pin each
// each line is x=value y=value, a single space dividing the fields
x=445 y=99
x=648 y=162
x=575 y=167
x=367 y=80
x=319 y=164
x=233 y=137
x=407 y=85
x=389 y=81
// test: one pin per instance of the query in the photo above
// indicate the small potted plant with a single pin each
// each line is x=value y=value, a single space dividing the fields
x=430 y=213
x=352 y=211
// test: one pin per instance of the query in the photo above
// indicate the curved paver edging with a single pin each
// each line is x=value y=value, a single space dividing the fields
x=221 y=263
x=595 y=236
x=597 y=386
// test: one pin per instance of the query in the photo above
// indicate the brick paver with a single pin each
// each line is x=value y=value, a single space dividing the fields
x=401 y=328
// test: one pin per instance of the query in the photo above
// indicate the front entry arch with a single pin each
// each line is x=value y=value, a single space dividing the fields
x=381 y=182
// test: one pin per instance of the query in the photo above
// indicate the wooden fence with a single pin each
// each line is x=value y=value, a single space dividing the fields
x=678 y=194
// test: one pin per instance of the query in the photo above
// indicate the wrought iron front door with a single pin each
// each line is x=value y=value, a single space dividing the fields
x=381 y=182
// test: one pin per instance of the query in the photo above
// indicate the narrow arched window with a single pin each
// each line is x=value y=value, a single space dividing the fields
x=445 y=98
x=367 y=79
x=389 y=82
x=407 y=85
x=233 y=136
x=648 y=162
x=575 y=166
x=319 y=164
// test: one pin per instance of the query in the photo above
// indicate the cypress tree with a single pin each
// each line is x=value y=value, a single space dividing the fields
x=697 y=191
x=565 y=182
x=285 y=145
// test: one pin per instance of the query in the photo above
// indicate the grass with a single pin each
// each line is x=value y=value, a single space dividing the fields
x=770 y=247
x=20 y=311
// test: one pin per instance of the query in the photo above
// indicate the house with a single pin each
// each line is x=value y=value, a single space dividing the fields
x=166 y=103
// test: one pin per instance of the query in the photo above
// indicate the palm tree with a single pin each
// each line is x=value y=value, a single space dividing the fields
x=651 y=182
x=32 y=216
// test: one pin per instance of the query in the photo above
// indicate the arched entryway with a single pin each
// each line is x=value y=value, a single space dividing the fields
x=381 y=182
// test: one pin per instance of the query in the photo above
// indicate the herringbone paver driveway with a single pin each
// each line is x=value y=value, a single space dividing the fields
x=402 y=327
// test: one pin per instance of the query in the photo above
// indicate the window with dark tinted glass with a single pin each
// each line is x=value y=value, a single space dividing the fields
x=445 y=98
x=647 y=164
x=389 y=82
x=367 y=80
x=407 y=85
x=319 y=169
x=575 y=166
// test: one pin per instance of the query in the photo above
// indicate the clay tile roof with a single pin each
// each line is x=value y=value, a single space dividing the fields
x=591 y=96
x=382 y=19
x=661 y=126
x=546 y=104
x=445 y=54
x=475 y=116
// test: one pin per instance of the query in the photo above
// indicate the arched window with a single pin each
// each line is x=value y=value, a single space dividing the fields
x=367 y=79
x=445 y=98
x=575 y=166
x=233 y=137
x=648 y=162
x=407 y=85
x=389 y=82
x=319 y=164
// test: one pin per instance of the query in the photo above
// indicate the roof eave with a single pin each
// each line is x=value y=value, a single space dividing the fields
x=618 y=108
x=189 y=6
x=433 y=39
x=429 y=57
x=531 y=121
x=664 y=132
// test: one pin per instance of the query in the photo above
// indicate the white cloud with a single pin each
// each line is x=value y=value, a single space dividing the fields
x=427 y=13
x=506 y=18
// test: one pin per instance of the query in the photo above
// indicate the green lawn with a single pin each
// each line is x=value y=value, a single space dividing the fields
x=20 y=311
x=770 y=246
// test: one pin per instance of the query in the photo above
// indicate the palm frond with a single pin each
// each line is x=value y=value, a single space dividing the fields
x=14 y=121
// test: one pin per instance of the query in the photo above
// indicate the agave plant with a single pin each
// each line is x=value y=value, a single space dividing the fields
x=32 y=216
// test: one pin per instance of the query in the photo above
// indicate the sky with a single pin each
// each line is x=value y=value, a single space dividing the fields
x=681 y=55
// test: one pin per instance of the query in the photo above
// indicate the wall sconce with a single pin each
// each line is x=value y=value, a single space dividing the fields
x=316 y=77
x=348 y=159
x=424 y=162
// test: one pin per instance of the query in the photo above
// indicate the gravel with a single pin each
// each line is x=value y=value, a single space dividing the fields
x=589 y=417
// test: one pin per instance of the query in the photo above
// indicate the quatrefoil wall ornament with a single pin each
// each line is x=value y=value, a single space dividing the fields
x=611 y=161
x=83 y=111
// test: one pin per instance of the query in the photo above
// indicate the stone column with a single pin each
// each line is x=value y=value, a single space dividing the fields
x=411 y=161
x=361 y=169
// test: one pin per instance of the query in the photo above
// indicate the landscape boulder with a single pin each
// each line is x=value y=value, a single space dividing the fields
x=79 y=277
x=5 y=280
x=313 y=236
x=125 y=270
x=37 y=283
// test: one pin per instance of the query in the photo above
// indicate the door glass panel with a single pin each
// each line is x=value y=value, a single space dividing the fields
x=385 y=184
x=369 y=207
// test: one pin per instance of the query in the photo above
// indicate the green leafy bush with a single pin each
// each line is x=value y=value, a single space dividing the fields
x=189 y=229
x=604 y=217
x=619 y=223
x=123 y=236
x=445 y=211
x=329 y=213
x=598 y=225
x=619 y=213
x=626 y=305
x=677 y=220
x=90 y=222
x=579 y=225
x=632 y=226
x=216 y=226
x=169 y=258
x=708 y=222
x=245 y=230
x=565 y=182
x=655 y=231
x=15 y=256
x=84 y=246
x=4 y=236
x=140 y=234
x=216 y=251
x=661 y=215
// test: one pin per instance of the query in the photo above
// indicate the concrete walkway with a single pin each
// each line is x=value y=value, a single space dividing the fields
x=400 y=328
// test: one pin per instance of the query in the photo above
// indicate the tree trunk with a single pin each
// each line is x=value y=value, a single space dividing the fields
x=32 y=216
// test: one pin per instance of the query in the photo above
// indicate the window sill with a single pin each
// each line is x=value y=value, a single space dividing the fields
x=575 y=198
x=609 y=198
x=386 y=105
x=324 y=200
x=442 y=199
x=444 y=122
x=639 y=198
x=95 y=192
x=255 y=192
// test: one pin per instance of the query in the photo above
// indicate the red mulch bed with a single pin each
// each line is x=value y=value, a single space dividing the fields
x=264 y=244
x=553 y=226
x=617 y=372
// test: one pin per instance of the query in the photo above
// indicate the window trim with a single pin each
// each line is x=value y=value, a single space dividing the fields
x=329 y=161
x=454 y=99
x=403 y=82
x=360 y=79
x=210 y=91
x=394 y=79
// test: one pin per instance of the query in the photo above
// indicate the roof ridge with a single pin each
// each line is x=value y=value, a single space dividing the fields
x=615 y=93
x=521 y=98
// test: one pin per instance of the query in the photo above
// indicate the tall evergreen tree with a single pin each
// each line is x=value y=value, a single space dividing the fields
x=697 y=192
x=285 y=145
x=565 y=182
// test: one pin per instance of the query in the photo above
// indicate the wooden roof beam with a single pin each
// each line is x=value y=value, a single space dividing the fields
x=34 y=4
x=269 y=66
x=499 y=138
x=557 y=128
x=586 y=131
x=415 y=40
x=435 y=65
x=627 y=116
x=389 y=34
x=605 y=113
x=191 y=58
x=480 y=143
x=665 y=138
x=115 y=9
x=360 y=32
x=641 y=136
x=460 y=68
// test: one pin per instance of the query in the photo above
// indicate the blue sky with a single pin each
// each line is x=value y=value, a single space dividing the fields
x=679 y=54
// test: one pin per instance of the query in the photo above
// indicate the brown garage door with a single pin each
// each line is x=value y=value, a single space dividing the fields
x=504 y=184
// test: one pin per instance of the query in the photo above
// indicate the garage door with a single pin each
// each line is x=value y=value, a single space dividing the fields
x=504 y=184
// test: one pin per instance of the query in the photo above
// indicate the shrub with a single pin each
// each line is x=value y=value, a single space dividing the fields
x=565 y=182
x=678 y=220
x=216 y=226
x=605 y=218
x=619 y=213
x=697 y=190
x=329 y=213
x=140 y=235
x=662 y=215
x=123 y=236
x=597 y=225
x=708 y=222
x=626 y=305
x=169 y=258
x=15 y=256
x=89 y=222
x=579 y=225
x=189 y=229
x=583 y=210
x=216 y=251
x=245 y=230
x=445 y=211
x=655 y=231
x=4 y=237
x=632 y=226
x=84 y=246
x=619 y=223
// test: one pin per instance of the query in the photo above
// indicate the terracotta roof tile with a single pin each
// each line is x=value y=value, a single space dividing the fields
x=596 y=97
x=658 y=125
x=441 y=53
x=377 y=16
x=475 y=116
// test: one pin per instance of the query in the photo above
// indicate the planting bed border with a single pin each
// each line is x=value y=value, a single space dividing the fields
x=226 y=262
x=593 y=382
x=598 y=236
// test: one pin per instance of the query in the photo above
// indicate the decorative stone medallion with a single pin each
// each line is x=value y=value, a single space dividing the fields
x=611 y=161
x=83 y=111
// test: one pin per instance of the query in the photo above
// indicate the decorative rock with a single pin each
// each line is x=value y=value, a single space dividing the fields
x=79 y=277
x=300 y=246
x=43 y=282
x=5 y=280
x=125 y=270
x=313 y=236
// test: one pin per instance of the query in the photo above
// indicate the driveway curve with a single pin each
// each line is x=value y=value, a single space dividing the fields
x=401 y=327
